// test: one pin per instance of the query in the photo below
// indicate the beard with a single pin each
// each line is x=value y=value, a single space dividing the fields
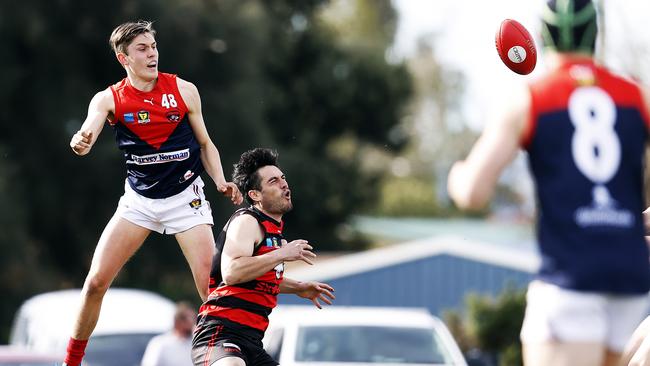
x=278 y=206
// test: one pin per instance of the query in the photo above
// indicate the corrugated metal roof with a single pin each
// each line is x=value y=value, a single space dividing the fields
x=523 y=259
x=515 y=234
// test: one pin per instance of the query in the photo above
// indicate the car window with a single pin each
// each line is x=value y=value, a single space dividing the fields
x=370 y=344
x=117 y=349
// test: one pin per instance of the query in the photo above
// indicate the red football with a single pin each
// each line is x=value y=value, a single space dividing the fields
x=516 y=47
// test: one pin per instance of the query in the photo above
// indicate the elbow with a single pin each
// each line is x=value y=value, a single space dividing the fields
x=206 y=144
x=467 y=194
x=471 y=204
x=472 y=200
x=230 y=278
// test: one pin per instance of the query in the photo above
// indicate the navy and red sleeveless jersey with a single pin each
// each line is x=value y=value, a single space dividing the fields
x=586 y=139
x=244 y=307
x=161 y=153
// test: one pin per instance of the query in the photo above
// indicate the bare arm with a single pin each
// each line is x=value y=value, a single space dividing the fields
x=645 y=94
x=237 y=262
x=209 y=154
x=471 y=182
x=314 y=291
x=98 y=110
x=637 y=350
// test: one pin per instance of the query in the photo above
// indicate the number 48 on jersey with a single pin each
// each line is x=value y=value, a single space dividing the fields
x=168 y=101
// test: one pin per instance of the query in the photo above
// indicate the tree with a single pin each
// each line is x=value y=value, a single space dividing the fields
x=491 y=325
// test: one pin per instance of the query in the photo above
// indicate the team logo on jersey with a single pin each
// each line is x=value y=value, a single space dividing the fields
x=174 y=116
x=129 y=118
x=583 y=75
x=143 y=117
x=272 y=242
x=188 y=174
x=196 y=203
x=603 y=211
x=279 y=269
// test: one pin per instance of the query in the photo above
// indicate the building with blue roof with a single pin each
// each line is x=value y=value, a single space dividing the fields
x=436 y=272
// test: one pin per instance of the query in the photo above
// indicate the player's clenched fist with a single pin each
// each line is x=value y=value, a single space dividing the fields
x=81 y=142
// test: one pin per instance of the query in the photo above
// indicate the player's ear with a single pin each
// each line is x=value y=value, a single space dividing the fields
x=255 y=195
x=122 y=59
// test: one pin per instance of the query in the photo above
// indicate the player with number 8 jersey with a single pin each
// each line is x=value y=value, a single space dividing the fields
x=161 y=154
x=585 y=132
x=585 y=138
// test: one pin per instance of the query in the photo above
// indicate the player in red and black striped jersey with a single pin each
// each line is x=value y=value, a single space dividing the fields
x=159 y=126
x=248 y=269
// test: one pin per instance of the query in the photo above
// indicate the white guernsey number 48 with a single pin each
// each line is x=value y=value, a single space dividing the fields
x=168 y=101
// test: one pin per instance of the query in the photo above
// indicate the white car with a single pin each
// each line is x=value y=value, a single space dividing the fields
x=354 y=336
x=16 y=356
x=128 y=320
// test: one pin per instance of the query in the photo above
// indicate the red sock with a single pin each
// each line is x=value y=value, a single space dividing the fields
x=76 y=351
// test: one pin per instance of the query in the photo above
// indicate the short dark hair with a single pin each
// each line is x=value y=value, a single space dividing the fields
x=124 y=33
x=245 y=174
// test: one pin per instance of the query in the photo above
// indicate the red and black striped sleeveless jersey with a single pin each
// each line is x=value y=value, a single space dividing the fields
x=586 y=141
x=161 y=153
x=245 y=307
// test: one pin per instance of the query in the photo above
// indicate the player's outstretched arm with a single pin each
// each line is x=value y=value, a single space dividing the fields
x=471 y=182
x=209 y=154
x=98 y=110
x=237 y=262
x=311 y=290
x=637 y=350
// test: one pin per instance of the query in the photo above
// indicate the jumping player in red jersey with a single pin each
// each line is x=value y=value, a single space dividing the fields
x=160 y=129
x=248 y=269
x=585 y=131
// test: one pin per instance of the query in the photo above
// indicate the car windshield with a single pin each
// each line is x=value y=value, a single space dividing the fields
x=116 y=349
x=370 y=344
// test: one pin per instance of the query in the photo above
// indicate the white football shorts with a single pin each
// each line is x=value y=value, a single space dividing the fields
x=170 y=215
x=557 y=314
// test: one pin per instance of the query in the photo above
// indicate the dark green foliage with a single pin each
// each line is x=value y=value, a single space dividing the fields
x=491 y=325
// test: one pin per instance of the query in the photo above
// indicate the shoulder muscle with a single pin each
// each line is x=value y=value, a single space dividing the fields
x=103 y=101
x=243 y=233
x=190 y=94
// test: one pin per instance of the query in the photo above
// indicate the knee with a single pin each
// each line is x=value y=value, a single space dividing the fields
x=96 y=286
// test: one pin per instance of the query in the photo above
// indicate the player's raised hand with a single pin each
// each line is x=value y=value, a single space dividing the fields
x=229 y=189
x=81 y=142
